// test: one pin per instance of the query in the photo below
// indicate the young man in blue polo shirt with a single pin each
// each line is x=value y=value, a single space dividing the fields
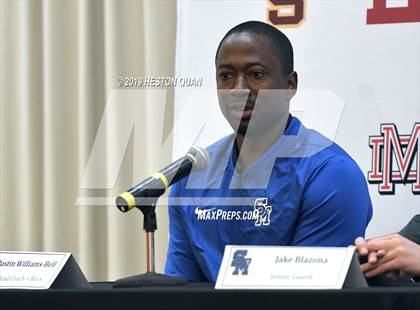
x=273 y=182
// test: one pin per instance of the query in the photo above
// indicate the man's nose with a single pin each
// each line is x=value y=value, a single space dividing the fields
x=241 y=83
x=241 y=88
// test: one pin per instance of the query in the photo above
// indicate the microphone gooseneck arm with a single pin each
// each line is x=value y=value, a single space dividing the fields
x=144 y=196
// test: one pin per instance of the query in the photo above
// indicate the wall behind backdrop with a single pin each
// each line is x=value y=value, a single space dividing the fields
x=359 y=75
x=60 y=60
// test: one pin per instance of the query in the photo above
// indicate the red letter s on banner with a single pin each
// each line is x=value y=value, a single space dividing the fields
x=294 y=17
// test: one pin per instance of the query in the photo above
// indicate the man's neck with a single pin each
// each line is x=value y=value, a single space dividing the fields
x=249 y=148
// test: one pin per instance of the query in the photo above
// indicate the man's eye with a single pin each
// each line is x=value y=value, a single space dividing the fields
x=225 y=76
x=257 y=75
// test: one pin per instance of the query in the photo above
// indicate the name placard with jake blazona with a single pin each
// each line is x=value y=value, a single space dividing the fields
x=30 y=270
x=276 y=267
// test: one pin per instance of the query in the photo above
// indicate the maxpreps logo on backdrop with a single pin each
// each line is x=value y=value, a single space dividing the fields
x=395 y=159
x=261 y=213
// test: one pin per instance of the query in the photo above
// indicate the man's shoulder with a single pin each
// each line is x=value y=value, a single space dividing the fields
x=315 y=149
x=221 y=146
x=218 y=156
x=337 y=162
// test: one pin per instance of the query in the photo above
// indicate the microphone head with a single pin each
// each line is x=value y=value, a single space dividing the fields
x=125 y=201
x=200 y=158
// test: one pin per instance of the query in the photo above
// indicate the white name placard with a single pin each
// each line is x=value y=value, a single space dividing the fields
x=276 y=267
x=30 y=270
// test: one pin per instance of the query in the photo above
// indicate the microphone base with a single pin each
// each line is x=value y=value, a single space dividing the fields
x=149 y=279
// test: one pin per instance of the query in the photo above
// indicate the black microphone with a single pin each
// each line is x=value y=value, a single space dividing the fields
x=155 y=185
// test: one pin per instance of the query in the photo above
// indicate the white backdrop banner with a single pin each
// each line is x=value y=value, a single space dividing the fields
x=359 y=75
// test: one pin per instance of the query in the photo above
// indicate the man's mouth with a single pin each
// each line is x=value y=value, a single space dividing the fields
x=241 y=111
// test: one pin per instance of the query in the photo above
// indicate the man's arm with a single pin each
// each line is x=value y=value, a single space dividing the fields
x=180 y=260
x=412 y=230
x=392 y=252
x=336 y=206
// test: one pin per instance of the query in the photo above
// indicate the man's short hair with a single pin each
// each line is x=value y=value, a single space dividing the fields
x=280 y=43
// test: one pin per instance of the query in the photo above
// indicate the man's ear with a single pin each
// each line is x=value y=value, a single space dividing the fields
x=292 y=80
x=292 y=83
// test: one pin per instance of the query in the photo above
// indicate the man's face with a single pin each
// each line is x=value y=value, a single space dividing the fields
x=246 y=64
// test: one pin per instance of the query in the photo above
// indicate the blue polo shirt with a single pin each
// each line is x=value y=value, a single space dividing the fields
x=302 y=191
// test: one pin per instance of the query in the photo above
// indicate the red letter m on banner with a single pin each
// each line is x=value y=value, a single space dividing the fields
x=381 y=14
x=395 y=159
